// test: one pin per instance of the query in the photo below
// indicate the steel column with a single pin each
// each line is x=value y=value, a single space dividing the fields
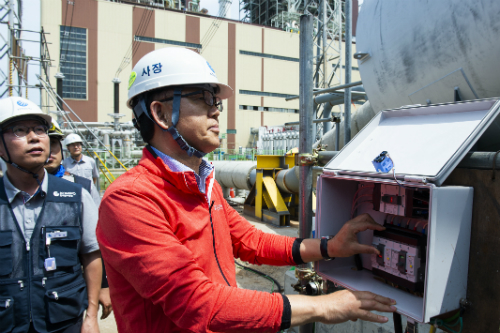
x=348 y=65
x=116 y=82
x=59 y=90
x=306 y=134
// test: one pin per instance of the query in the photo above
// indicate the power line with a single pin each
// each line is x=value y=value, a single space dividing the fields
x=213 y=28
x=65 y=19
x=143 y=24
x=70 y=28
x=142 y=33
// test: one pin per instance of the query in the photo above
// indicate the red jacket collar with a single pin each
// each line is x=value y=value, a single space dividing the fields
x=184 y=181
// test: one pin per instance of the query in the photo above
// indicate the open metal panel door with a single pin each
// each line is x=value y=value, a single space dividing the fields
x=424 y=141
x=448 y=250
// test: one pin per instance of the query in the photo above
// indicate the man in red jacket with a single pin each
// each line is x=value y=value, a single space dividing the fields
x=169 y=239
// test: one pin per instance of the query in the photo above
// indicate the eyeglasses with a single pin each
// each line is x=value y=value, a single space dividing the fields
x=209 y=98
x=21 y=131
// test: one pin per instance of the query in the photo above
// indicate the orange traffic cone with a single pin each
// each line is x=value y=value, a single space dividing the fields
x=231 y=192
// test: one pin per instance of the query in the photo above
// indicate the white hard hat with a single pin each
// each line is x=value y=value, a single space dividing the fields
x=13 y=107
x=72 y=138
x=172 y=66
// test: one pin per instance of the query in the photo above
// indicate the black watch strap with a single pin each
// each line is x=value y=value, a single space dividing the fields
x=324 y=248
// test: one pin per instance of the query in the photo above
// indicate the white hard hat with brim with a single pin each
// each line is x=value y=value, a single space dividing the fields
x=18 y=107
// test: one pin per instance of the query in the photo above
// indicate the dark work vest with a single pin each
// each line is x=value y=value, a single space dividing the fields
x=53 y=300
x=86 y=183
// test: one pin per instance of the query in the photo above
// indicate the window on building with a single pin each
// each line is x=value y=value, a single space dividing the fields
x=265 y=108
x=264 y=94
x=73 y=62
x=166 y=41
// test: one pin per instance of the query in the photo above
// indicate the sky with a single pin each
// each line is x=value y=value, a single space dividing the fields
x=213 y=8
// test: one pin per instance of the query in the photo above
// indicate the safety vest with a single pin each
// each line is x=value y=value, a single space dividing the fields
x=52 y=298
x=86 y=183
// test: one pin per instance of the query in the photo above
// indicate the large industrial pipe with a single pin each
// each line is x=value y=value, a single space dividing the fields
x=288 y=180
x=234 y=174
x=360 y=118
x=338 y=98
x=455 y=45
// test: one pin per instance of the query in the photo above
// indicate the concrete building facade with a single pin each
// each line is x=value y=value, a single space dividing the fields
x=94 y=41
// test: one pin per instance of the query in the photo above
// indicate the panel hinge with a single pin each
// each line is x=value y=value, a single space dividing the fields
x=415 y=179
x=306 y=159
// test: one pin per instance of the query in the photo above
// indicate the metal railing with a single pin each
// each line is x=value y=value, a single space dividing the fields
x=245 y=154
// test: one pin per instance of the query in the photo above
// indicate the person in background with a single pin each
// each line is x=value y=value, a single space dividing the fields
x=47 y=232
x=169 y=238
x=79 y=164
x=55 y=168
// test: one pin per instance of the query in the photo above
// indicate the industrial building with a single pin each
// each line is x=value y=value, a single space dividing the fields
x=105 y=40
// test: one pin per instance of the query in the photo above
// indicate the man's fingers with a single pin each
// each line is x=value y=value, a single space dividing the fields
x=367 y=295
x=384 y=300
x=373 y=305
x=368 y=225
x=370 y=316
x=367 y=249
x=106 y=311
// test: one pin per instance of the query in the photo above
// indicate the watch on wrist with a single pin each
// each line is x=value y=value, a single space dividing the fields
x=324 y=248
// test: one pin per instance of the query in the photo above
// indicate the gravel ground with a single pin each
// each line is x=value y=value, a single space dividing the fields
x=244 y=278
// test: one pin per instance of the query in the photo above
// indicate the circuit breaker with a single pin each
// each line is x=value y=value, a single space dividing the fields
x=424 y=249
x=401 y=259
x=392 y=199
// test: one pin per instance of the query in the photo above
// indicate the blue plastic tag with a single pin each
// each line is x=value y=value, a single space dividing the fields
x=50 y=264
x=383 y=163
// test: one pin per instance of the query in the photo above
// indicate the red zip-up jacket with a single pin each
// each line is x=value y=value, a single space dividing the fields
x=169 y=252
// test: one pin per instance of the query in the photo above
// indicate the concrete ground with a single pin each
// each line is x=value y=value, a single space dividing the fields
x=244 y=278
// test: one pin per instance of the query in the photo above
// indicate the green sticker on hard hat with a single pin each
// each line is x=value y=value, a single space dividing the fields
x=131 y=80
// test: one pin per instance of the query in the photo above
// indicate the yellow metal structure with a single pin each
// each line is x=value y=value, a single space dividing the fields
x=270 y=162
x=265 y=200
x=258 y=193
x=272 y=196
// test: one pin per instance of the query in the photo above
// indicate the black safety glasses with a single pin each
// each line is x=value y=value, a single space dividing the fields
x=209 y=98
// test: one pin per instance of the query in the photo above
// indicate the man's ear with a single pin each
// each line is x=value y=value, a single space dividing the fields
x=161 y=114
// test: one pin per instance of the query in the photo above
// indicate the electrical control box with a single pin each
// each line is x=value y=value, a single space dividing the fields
x=424 y=249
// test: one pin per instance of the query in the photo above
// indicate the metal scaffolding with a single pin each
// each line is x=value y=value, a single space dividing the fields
x=331 y=28
x=327 y=40
x=14 y=77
